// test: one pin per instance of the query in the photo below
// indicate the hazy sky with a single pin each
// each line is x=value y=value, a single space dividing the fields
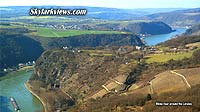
x=107 y=3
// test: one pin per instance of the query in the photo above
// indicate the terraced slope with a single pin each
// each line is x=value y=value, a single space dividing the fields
x=170 y=81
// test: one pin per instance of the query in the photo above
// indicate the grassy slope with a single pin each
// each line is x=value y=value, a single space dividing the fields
x=166 y=57
x=170 y=82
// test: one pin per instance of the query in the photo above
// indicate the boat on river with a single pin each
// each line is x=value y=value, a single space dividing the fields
x=14 y=104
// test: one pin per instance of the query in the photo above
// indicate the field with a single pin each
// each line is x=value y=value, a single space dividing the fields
x=45 y=31
x=56 y=19
x=48 y=32
x=166 y=57
x=98 y=52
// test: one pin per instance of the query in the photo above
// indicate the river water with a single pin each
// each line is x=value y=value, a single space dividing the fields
x=155 y=39
x=13 y=86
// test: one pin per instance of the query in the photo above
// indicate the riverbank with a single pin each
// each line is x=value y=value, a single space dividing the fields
x=26 y=68
x=155 y=39
x=27 y=85
x=11 y=73
x=12 y=85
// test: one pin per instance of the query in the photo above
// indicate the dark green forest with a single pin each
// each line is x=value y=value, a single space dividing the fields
x=17 y=48
x=94 y=40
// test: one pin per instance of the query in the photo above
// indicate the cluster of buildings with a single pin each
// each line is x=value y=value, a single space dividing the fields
x=20 y=65
x=29 y=63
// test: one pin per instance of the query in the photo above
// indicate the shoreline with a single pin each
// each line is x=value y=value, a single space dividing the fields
x=34 y=94
x=14 y=73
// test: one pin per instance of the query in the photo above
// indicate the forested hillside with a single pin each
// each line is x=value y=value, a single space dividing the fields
x=181 y=41
x=94 y=40
x=17 y=48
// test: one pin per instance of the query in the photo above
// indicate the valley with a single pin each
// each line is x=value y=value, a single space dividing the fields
x=111 y=60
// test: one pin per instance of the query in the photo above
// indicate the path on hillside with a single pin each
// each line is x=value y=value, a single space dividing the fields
x=67 y=94
x=151 y=88
x=55 y=33
x=115 y=81
x=182 y=76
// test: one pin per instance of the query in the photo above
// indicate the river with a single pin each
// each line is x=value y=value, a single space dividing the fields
x=155 y=39
x=13 y=86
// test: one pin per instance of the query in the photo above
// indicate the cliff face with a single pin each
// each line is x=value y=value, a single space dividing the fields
x=75 y=69
x=79 y=73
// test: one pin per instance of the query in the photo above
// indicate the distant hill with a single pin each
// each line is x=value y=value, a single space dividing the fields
x=194 y=30
x=105 y=19
x=123 y=14
x=136 y=27
x=152 y=28
x=186 y=17
x=93 y=12
x=63 y=27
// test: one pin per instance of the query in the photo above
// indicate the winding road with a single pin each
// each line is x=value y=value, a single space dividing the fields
x=182 y=76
